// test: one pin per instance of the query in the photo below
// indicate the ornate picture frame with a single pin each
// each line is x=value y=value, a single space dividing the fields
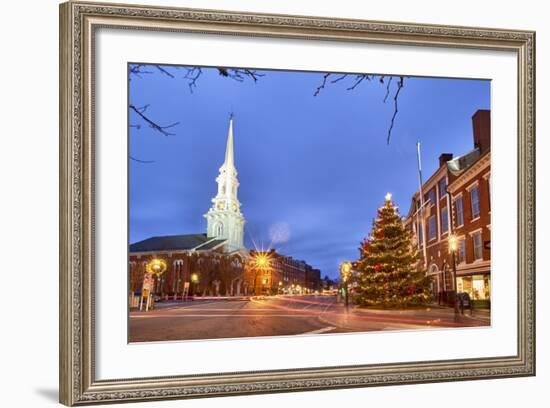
x=78 y=24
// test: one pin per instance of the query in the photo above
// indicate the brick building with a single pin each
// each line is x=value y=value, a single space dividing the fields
x=284 y=274
x=456 y=200
x=216 y=273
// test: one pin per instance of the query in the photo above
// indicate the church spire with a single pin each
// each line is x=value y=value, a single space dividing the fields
x=229 y=154
x=224 y=218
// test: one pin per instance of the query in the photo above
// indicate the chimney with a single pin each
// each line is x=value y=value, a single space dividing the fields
x=481 y=122
x=444 y=158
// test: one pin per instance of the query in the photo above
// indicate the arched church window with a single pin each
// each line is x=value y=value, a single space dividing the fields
x=219 y=229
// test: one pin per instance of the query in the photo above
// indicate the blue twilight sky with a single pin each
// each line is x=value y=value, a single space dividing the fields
x=312 y=170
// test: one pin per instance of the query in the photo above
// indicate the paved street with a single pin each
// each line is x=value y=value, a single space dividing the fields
x=281 y=315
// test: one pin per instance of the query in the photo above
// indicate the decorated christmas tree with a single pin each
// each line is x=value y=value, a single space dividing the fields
x=388 y=273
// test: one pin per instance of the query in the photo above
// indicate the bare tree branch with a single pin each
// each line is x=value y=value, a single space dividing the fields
x=343 y=76
x=240 y=74
x=192 y=75
x=141 y=161
x=138 y=70
x=395 y=110
x=358 y=79
x=387 y=89
x=322 y=86
x=152 y=124
x=164 y=71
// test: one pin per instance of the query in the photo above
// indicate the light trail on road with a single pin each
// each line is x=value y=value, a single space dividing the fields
x=279 y=315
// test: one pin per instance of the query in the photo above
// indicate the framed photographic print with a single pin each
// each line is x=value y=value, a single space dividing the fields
x=258 y=203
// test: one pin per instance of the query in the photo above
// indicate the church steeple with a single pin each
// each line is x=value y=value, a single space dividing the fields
x=225 y=220
x=229 y=153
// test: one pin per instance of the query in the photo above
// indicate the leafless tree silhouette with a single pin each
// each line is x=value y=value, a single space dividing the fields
x=357 y=79
x=193 y=74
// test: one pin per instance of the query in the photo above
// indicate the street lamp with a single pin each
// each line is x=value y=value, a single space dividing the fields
x=261 y=261
x=453 y=247
x=194 y=281
x=345 y=273
x=154 y=268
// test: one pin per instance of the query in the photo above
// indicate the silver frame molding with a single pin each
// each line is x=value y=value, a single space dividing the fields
x=78 y=22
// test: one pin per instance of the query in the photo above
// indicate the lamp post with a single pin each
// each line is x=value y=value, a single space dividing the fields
x=154 y=268
x=261 y=261
x=345 y=273
x=453 y=246
x=194 y=281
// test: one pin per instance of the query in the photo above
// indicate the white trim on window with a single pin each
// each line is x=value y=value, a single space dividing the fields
x=472 y=185
x=480 y=229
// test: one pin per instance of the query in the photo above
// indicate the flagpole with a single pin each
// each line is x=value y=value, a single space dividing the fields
x=421 y=209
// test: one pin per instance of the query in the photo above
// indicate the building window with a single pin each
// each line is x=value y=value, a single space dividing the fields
x=459 y=212
x=461 y=253
x=474 y=198
x=430 y=196
x=444 y=220
x=431 y=228
x=478 y=249
x=420 y=237
x=219 y=229
x=442 y=187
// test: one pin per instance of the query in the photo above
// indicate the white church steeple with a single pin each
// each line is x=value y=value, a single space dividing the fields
x=225 y=220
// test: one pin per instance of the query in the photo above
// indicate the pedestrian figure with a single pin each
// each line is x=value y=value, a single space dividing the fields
x=461 y=300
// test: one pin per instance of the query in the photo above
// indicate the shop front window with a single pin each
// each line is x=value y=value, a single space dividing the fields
x=480 y=288
x=477 y=286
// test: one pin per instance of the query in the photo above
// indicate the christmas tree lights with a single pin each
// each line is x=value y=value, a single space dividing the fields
x=387 y=273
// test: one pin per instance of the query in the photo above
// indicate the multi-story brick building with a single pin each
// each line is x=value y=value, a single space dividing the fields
x=470 y=189
x=456 y=200
x=313 y=278
x=282 y=274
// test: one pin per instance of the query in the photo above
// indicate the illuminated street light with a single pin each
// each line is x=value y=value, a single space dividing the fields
x=194 y=280
x=453 y=247
x=261 y=261
x=345 y=273
x=453 y=243
x=156 y=266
